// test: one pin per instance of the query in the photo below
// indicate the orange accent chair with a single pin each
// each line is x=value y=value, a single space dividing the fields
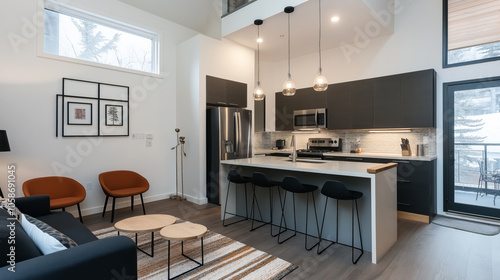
x=122 y=183
x=63 y=191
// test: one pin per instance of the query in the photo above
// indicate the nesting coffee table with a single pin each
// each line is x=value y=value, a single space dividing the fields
x=145 y=223
x=182 y=232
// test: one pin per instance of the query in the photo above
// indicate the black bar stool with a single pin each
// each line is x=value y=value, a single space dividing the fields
x=259 y=179
x=338 y=191
x=293 y=185
x=234 y=177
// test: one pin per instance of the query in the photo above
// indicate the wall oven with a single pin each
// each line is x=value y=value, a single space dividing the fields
x=309 y=119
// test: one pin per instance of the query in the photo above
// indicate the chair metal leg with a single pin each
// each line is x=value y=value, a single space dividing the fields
x=307 y=215
x=319 y=251
x=105 y=204
x=359 y=230
x=271 y=205
x=79 y=212
x=113 y=210
x=225 y=209
x=132 y=202
x=283 y=218
x=143 y=208
x=252 y=212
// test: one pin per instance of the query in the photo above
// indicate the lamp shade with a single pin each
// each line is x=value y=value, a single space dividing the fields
x=4 y=141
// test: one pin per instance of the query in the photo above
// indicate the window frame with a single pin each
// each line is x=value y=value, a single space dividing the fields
x=445 y=44
x=104 y=20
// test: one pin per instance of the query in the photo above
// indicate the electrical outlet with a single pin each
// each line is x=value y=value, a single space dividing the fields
x=426 y=140
x=89 y=186
x=149 y=143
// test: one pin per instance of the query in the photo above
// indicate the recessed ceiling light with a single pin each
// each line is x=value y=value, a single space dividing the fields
x=335 y=19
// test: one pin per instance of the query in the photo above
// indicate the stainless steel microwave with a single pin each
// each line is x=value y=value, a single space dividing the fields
x=309 y=119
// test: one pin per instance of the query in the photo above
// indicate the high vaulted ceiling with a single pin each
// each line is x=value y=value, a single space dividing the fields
x=360 y=20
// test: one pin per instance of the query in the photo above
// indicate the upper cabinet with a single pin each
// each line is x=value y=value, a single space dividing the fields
x=387 y=102
x=226 y=93
x=339 y=106
x=396 y=101
x=418 y=99
x=361 y=104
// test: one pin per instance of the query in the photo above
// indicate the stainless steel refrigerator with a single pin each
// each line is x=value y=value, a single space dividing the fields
x=229 y=136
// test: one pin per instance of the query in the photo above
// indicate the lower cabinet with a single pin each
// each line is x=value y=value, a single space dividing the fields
x=416 y=184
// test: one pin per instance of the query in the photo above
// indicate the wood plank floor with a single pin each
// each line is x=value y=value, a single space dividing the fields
x=423 y=251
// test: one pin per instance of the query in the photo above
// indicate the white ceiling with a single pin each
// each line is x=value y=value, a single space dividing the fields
x=204 y=17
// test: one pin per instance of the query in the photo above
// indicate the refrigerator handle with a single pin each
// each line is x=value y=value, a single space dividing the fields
x=237 y=133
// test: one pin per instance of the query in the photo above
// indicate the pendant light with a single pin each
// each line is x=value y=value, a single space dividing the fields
x=289 y=86
x=258 y=92
x=320 y=81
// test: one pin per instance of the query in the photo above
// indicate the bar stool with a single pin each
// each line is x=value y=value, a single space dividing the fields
x=259 y=179
x=338 y=191
x=293 y=185
x=234 y=177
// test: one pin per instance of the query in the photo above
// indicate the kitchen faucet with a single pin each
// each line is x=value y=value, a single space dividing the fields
x=294 y=151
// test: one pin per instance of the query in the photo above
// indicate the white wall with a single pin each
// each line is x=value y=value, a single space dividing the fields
x=29 y=84
x=415 y=45
x=198 y=57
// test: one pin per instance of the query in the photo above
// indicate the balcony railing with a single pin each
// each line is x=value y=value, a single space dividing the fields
x=468 y=158
x=229 y=6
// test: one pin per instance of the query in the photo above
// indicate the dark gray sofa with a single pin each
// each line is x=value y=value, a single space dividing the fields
x=110 y=258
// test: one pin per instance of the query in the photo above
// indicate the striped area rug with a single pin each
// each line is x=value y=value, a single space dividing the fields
x=224 y=258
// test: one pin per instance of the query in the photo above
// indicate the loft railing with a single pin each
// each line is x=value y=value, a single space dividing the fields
x=229 y=6
x=468 y=157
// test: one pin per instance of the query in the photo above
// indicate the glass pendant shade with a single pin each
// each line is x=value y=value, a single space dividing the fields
x=258 y=93
x=289 y=87
x=320 y=82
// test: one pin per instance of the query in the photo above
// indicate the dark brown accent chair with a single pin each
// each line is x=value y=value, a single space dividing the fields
x=122 y=183
x=63 y=191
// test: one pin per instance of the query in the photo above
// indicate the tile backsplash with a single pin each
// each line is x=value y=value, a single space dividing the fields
x=369 y=142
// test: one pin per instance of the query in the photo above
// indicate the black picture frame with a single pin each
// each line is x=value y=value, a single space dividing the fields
x=95 y=98
x=79 y=113
x=114 y=115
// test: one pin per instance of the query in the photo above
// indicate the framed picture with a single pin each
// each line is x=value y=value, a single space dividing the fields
x=114 y=115
x=79 y=113
x=114 y=119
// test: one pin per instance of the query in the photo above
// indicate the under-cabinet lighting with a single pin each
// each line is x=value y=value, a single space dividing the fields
x=390 y=131
x=305 y=131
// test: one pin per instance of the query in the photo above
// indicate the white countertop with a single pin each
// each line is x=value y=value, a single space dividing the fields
x=342 y=168
x=380 y=155
x=354 y=155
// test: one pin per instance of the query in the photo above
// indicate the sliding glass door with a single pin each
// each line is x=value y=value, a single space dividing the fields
x=472 y=147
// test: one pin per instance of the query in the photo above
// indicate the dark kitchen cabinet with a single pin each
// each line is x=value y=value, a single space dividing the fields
x=222 y=92
x=418 y=95
x=284 y=112
x=396 y=101
x=305 y=98
x=417 y=187
x=338 y=106
x=416 y=183
x=387 y=102
x=362 y=104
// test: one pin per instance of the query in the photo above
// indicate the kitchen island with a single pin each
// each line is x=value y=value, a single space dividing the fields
x=377 y=208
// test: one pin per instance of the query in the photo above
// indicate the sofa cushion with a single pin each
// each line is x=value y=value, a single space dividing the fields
x=44 y=241
x=67 y=224
x=24 y=247
x=47 y=238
